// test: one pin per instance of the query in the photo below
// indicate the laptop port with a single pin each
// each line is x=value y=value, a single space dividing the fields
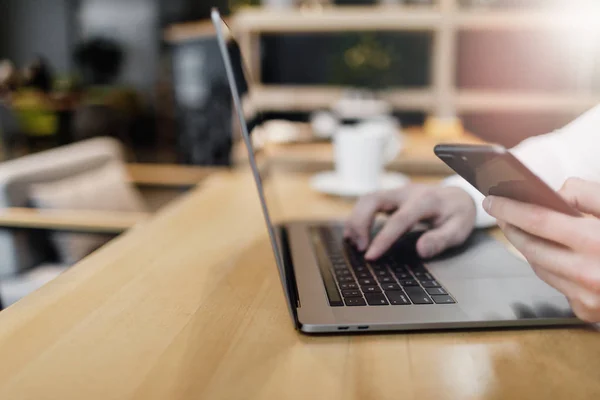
x=363 y=327
x=343 y=328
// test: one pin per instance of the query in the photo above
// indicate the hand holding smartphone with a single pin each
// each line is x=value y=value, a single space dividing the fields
x=494 y=171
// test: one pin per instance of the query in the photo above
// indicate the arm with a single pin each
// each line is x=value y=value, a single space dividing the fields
x=554 y=157
x=451 y=212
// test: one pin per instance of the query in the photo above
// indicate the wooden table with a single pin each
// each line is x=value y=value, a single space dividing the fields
x=189 y=306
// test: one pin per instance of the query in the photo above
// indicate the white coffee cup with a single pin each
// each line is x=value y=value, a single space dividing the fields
x=361 y=152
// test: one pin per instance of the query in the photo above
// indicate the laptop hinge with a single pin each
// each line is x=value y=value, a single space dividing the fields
x=290 y=276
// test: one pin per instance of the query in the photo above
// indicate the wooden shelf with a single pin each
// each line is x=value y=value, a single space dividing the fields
x=444 y=20
x=189 y=31
x=524 y=20
x=378 y=18
x=186 y=31
x=309 y=98
x=336 y=19
x=405 y=18
x=488 y=101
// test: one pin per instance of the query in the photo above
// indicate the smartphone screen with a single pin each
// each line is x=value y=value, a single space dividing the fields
x=493 y=170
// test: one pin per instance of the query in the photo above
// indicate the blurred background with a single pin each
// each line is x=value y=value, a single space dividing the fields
x=131 y=68
x=147 y=73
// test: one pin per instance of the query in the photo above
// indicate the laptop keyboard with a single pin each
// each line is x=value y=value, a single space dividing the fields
x=353 y=282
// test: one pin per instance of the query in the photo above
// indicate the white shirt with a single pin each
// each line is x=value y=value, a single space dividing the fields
x=573 y=151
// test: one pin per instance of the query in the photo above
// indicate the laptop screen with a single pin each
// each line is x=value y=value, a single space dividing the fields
x=249 y=121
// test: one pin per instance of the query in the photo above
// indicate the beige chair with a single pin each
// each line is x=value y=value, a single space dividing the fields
x=24 y=231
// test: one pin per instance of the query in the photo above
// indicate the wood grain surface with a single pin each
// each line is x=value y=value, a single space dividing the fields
x=77 y=220
x=189 y=306
x=168 y=175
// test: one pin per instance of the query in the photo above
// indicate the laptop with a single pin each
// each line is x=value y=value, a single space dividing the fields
x=330 y=288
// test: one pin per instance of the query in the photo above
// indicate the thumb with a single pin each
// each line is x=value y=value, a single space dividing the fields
x=451 y=233
x=583 y=195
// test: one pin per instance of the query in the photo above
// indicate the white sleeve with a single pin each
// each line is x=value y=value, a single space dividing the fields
x=573 y=151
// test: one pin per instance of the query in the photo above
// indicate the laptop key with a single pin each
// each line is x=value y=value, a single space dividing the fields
x=416 y=266
x=352 y=293
x=435 y=291
x=382 y=272
x=386 y=279
x=370 y=289
x=430 y=284
x=376 y=299
x=424 y=276
x=397 y=298
x=348 y=285
x=409 y=282
x=443 y=299
x=361 y=269
x=346 y=279
x=403 y=275
x=358 y=265
x=355 y=301
x=400 y=270
x=342 y=272
x=364 y=275
x=390 y=286
x=367 y=282
x=417 y=295
x=340 y=267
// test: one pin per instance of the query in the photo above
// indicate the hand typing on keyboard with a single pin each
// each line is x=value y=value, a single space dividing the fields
x=451 y=211
x=392 y=280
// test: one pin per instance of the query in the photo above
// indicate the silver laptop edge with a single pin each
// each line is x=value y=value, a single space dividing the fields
x=274 y=238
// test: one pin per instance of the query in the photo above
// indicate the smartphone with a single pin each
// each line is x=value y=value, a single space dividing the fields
x=494 y=171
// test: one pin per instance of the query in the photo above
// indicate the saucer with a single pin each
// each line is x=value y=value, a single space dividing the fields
x=330 y=183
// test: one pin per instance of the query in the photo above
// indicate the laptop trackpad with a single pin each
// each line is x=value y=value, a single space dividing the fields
x=491 y=283
x=481 y=256
x=508 y=299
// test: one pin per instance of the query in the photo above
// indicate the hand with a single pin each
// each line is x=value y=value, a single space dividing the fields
x=451 y=211
x=563 y=251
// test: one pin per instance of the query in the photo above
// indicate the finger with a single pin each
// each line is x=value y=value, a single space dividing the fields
x=564 y=286
x=583 y=195
x=451 y=233
x=358 y=227
x=584 y=312
x=585 y=304
x=538 y=221
x=576 y=278
x=547 y=261
x=398 y=224
x=555 y=259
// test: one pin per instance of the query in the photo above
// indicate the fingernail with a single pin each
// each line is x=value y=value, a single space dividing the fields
x=369 y=255
x=487 y=203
